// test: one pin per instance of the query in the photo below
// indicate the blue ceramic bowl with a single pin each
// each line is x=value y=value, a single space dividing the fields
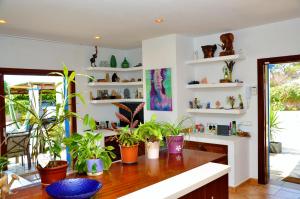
x=76 y=188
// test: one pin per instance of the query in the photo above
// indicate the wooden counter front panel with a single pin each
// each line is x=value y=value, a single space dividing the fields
x=215 y=148
x=217 y=189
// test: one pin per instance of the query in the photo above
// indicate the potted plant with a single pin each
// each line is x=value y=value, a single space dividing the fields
x=174 y=134
x=49 y=130
x=151 y=133
x=89 y=156
x=127 y=139
x=275 y=147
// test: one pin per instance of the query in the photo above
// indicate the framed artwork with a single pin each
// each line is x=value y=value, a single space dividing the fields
x=159 y=89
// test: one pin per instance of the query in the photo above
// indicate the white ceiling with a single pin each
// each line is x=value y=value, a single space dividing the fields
x=125 y=23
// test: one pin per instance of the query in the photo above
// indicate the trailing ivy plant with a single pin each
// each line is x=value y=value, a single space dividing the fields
x=150 y=131
x=87 y=146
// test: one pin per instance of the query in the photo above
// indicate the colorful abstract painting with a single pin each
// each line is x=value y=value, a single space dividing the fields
x=159 y=89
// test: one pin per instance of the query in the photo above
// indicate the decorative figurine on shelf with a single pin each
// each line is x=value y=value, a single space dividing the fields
x=113 y=61
x=138 y=65
x=191 y=105
x=241 y=105
x=208 y=105
x=196 y=103
x=218 y=104
x=126 y=93
x=115 y=94
x=115 y=78
x=227 y=46
x=204 y=80
x=107 y=77
x=209 y=50
x=226 y=76
x=230 y=69
x=231 y=101
x=93 y=59
x=125 y=63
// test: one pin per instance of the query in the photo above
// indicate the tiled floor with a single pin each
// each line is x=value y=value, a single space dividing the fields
x=282 y=190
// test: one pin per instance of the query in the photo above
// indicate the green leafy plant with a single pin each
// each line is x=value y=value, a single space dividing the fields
x=126 y=135
x=86 y=146
x=48 y=127
x=177 y=128
x=150 y=131
x=274 y=124
x=3 y=163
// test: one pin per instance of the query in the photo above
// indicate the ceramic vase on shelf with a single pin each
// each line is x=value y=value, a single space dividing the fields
x=125 y=63
x=113 y=61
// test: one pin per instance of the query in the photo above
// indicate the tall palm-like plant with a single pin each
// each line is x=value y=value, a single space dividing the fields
x=274 y=124
x=48 y=127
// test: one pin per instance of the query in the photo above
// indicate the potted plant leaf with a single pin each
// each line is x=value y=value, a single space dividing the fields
x=85 y=149
x=275 y=147
x=174 y=134
x=151 y=133
x=49 y=130
x=127 y=139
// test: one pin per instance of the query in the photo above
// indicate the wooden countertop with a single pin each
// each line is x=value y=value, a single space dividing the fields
x=123 y=179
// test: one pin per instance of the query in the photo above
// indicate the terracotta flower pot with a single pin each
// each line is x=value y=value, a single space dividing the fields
x=129 y=155
x=50 y=175
x=175 y=143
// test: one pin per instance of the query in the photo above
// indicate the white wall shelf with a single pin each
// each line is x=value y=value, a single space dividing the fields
x=216 y=85
x=215 y=59
x=110 y=69
x=218 y=111
x=98 y=84
x=108 y=101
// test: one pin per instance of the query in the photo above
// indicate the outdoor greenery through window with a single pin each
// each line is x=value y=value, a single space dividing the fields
x=285 y=87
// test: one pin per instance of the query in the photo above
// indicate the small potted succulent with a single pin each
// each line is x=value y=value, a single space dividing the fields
x=89 y=156
x=231 y=101
x=174 y=134
x=151 y=133
x=127 y=139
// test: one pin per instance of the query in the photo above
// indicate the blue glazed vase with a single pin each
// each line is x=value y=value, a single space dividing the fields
x=94 y=167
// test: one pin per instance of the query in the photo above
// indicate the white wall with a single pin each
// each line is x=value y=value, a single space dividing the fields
x=160 y=52
x=277 y=39
x=38 y=54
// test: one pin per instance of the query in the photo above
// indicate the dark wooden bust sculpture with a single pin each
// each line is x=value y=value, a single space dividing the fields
x=93 y=59
x=227 y=46
x=209 y=50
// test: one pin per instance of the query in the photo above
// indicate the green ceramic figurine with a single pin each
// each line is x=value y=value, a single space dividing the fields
x=113 y=61
x=125 y=63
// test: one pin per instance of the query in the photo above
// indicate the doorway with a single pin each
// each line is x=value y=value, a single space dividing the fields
x=276 y=95
x=34 y=88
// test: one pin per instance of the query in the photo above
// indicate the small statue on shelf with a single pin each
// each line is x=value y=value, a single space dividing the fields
x=231 y=101
x=227 y=46
x=115 y=78
x=241 y=105
x=93 y=59
x=209 y=50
